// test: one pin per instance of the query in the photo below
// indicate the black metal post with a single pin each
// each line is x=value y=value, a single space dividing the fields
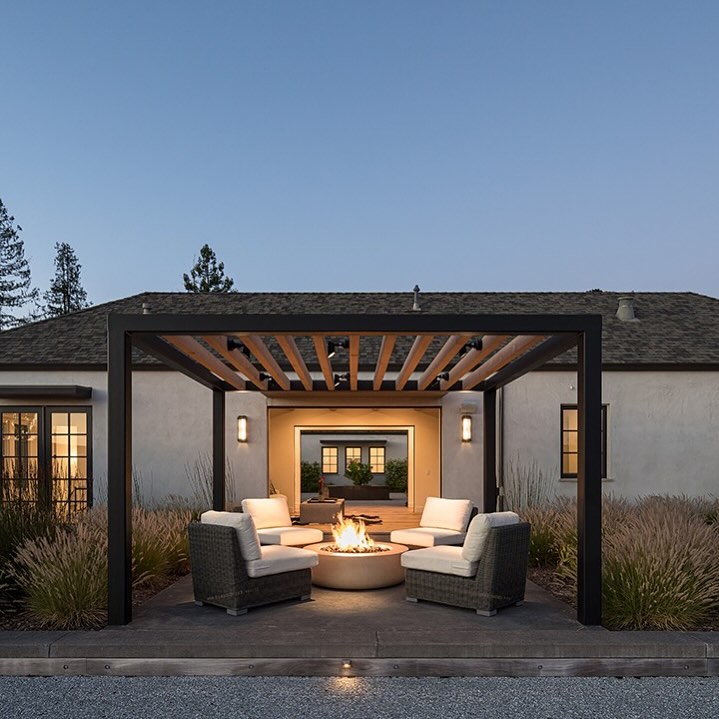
x=490 y=451
x=218 y=450
x=119 y=475
x=589 y=476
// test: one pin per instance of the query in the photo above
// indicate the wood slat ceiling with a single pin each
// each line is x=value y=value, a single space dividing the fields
x=444 y=363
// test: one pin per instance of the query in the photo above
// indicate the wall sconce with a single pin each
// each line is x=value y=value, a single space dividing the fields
x=466 y=428
x=242 y=428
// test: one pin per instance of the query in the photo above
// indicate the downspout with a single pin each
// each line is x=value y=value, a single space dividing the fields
x=500 y=449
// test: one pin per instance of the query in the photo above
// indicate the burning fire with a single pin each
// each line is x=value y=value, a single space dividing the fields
x=351 y=536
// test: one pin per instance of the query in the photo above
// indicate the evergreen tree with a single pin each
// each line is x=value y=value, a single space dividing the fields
x=15 y=283
x=207 y=275
x=66 y=294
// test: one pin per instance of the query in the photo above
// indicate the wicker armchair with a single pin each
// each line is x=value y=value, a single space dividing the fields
x=220 y=576
x=495 y=581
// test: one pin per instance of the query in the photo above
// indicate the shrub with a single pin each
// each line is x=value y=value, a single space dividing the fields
x=359 y=472
x=310 y=476
x=396 y=475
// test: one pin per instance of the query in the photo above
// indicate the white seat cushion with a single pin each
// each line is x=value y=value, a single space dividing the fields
x=446 y=513
x=290 y=536
x=445 y=560
x=246 y=532
x=427 y=536
x=276 y=560
x=270 y=512
x=479 y=529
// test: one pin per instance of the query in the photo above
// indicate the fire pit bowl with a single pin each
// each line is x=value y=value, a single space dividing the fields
x=358 y=570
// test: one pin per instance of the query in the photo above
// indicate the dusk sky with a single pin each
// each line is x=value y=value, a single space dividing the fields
x=360 y=146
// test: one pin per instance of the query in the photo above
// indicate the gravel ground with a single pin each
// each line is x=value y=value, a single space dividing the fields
x=343 y=698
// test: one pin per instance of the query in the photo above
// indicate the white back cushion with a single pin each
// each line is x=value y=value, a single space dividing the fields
x=246 y=532
x=271 y=512
x=446 y=513
x=479 y=529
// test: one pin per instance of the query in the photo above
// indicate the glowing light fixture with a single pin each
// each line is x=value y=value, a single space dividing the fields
x=242 y=428
x=466 y=428
x=347 y=664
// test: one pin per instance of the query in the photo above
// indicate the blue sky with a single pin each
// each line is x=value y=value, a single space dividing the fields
x=366 y=145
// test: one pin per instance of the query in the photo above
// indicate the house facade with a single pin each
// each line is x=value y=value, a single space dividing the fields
x=660 y=396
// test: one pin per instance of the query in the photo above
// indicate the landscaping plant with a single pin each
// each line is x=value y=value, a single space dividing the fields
x=395 y=473
x=359 y=472
x=310 y=476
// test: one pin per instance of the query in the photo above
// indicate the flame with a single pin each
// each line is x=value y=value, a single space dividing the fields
x=351 y=535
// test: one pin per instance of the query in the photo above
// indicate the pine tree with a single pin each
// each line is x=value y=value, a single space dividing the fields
x=66 y=294
x=207 y=275
x=15 y=284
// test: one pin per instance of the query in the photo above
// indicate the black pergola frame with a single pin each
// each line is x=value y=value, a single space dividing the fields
x=564 y=331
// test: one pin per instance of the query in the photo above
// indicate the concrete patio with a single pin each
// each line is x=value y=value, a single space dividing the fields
x=371 y=633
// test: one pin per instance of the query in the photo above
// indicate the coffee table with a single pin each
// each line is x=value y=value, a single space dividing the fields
x=324 y=512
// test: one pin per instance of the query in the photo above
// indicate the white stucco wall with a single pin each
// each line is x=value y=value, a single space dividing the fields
x=662 y=429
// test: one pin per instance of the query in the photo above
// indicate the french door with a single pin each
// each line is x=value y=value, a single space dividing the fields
x=47 y=457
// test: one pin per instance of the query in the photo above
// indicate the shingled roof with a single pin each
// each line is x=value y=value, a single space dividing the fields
x=674 y=329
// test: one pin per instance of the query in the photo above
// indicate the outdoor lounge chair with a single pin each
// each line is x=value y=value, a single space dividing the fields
x=443 y=521
x=230 y=569
x=274 y=525
x=488 y=572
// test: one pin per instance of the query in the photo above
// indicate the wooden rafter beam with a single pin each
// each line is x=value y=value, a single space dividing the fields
x=385 y=354
x=238 y=360
x=467 y=363
x=450 y=348
x=289 y=347
x=415 y=354
x=193 y=349
x=324 y=360
x=354 y=361
x=516 y=348
x=265 y=358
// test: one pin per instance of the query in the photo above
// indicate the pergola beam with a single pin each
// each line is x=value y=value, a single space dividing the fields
x=179 y=361
x=385 y=354
x=539 y=356
x=450 y=348
x=324 y=361
x=354 y=361
x=415 y=354
x=517 y=347
x=194 y=350
x=265 y=358
x=472 y=359
x=289 y=347
x=236 y=359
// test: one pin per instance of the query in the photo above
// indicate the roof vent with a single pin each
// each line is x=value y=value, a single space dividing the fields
x=146 y=309
x=415 y=304
x=625 y=311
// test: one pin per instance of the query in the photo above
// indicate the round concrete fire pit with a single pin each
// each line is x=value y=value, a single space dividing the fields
x=365 y=570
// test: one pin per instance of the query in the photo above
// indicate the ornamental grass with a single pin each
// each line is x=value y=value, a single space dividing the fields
x=660 y=561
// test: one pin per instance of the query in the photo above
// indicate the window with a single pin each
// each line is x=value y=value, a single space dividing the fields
x=376 y=459
x=352 y=454
x=329 y=460
x=46 y=457
x=570 y=441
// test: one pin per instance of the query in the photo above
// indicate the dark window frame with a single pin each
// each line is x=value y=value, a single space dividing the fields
x=347 y=448
x=384 y=457
x=336 y=459
x=44 y=469
x=562 y=431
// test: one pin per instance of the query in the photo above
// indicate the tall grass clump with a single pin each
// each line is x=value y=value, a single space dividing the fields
x=64 y=578
x=543 y=546
x=199 y=474
x=526 y=485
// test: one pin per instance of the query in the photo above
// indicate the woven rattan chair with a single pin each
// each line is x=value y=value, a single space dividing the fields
x=497 y=580
x=219 y=573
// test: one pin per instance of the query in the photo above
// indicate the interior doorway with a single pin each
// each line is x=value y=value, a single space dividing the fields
x=420 y=426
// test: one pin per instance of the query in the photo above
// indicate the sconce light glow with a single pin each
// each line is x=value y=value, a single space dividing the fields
x=466 y=428
x=242 y=429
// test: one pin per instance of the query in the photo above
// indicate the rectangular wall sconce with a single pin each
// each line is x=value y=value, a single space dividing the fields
x=242 y=429
x=466 y=428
